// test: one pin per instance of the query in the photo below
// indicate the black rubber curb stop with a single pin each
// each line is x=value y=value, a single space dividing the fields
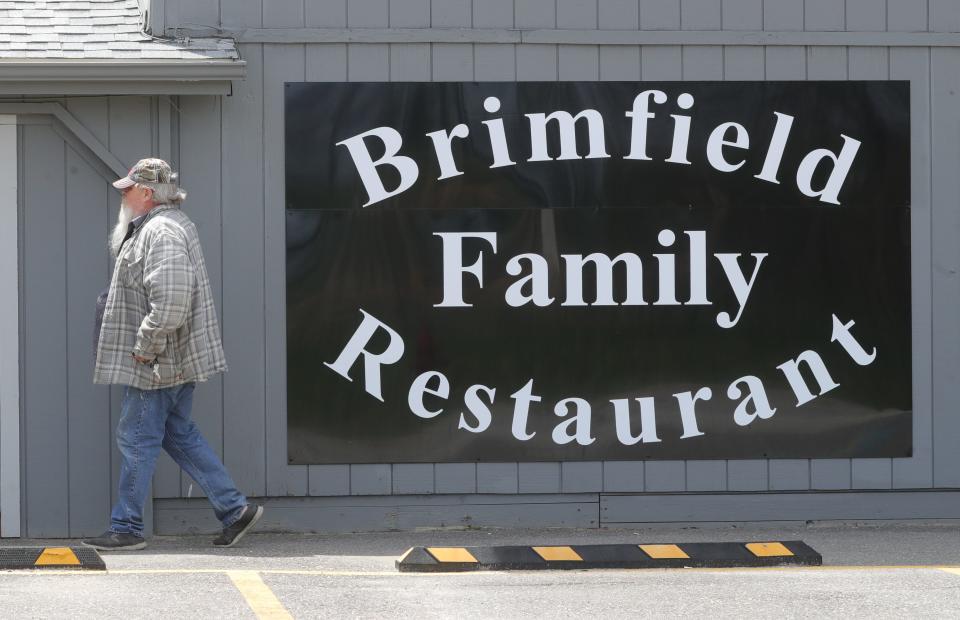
x=18 y=558
x=668 y=555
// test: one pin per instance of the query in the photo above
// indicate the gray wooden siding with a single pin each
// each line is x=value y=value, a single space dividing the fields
x=769 y=15
x=230 y=152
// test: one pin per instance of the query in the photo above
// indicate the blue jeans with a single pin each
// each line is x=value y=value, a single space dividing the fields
x=149 y=420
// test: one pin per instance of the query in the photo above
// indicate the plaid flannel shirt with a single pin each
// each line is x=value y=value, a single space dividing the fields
x=160 y=306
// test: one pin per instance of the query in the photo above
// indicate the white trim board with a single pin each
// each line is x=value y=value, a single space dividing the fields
x=9 y=332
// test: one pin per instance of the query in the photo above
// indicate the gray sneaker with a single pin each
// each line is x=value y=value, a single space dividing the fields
x=232 y=535
x=114 y=541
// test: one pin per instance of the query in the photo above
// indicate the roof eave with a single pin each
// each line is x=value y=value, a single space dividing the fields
x=110 y=70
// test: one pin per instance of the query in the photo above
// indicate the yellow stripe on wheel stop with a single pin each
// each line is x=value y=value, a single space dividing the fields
x=664 y=552
x=451 y=554
x=57 y=556
x=768 y=549
x=558 y=554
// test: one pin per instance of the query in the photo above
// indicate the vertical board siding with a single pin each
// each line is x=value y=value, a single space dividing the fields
x=535 y=13
x=824 y=15
x=871 y=474
x=368 y=14
x=493 y=14
x=282 y=14
x=411 y=63
x=538 y=477
x=493 y=63
x=280 y=63
x=743 y=14
x=88 y=405
x=945 y=223
x=193 y=13
x=243 y=13
x=11 y=332
x=410 y=13
x=914 y=64
x=702 y=62
x=577 y=14
x=497 y=478
x=89 y=270
x=782 y=15
x=578 y=62
x=701 y=14
x=618 y=15
x=457 y=478
x=413 y=479
x=244 y=409
x=581 y=476
x=623 y=476
x=944 y=16
x=866 y=16
x=619 y=62
x=451 y=14
x=536 y=62
x=907 y=15
x=371 y=479
x=46 y=456
x=328 y=480
x=325 y=13
x=659 y=15
x=830 y=474
x=449 y=62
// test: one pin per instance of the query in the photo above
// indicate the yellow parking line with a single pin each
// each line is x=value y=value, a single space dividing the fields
x=259 y=597
x=951 y=569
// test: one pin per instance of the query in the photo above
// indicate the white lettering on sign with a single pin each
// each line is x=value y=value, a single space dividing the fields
x=724 y=138
x=593 y=278
x=367 y=166
x=532 y=284
x=576 y=414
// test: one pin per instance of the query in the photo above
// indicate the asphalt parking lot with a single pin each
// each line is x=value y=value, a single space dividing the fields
x=874 y=570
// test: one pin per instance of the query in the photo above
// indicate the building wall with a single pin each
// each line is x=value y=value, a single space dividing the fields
x=230 y=153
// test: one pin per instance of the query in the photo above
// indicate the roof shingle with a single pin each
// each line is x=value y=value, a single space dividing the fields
x=95 y=29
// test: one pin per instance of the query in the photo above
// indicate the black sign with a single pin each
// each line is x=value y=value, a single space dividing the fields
x=569 y=271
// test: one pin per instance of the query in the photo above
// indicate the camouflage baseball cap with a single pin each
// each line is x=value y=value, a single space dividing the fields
x=150 y=170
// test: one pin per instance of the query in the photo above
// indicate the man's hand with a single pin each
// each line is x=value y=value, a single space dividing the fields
x=142 y=360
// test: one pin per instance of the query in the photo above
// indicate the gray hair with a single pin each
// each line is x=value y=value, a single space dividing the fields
x=166 y=193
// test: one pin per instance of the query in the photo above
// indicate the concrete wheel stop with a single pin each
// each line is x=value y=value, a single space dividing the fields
x=658 y=555
x=30 y=558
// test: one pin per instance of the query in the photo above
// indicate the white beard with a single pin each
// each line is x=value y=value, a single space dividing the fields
x=120 y=229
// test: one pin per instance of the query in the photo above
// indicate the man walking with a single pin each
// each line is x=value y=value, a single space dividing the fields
x=159 y=337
